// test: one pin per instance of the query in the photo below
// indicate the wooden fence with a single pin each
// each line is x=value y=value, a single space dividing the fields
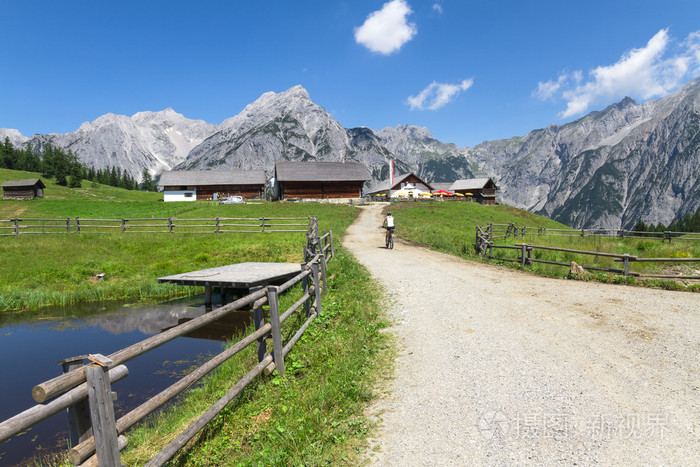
x=85 y=387
x=485 y=245
x=22 y=226
x=512 y=230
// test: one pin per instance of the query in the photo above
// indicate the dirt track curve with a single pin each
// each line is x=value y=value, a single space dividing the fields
x=500 y=367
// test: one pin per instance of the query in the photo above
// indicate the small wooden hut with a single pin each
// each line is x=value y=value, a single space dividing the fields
x=23 y=189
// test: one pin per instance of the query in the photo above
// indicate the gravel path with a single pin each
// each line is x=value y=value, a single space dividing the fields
x=500 y=367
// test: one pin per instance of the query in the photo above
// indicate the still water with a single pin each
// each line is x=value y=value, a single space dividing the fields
x=30 y=350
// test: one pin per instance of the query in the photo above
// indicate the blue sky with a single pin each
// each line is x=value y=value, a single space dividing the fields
x=468 y=70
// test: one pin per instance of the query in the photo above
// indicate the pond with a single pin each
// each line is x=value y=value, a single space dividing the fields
x=30 y=350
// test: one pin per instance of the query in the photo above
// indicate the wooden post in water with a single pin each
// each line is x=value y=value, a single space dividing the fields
x=102 y=413
x=277 y=344
x=79 y=426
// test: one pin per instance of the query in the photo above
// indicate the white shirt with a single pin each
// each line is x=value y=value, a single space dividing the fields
x=389 y=221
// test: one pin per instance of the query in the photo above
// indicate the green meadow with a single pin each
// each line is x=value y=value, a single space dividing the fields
x=456 y=235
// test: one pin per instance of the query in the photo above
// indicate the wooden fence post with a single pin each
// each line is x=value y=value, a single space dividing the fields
x=123 y=225
x=217 y=225
x=305 y=285
x=323 y=270
x=102 y=415
x=583 y=232
x=523 y=254
x=79 y=426
x=332 y=249
x=626 y=259
x=667 y=236
x=262 y=223
x=170 y=225
x=317 y=286
x=67 y=224
x=77 y=225
x=259 y=318
x=16 y=226
x=277 y=344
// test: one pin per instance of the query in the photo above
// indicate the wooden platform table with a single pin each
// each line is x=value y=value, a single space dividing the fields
x=240 y=278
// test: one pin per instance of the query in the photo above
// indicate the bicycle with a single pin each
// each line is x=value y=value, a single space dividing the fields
x=389 y=238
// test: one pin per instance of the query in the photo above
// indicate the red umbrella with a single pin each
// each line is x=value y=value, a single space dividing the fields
x=442 y=193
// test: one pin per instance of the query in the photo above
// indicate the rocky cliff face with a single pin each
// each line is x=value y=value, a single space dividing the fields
x=609 y=169
x=155 y=141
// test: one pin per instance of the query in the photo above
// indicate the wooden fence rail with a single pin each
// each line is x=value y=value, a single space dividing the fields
x=23 y=226
x=485 y=245
x=101 y=436
x=512 y=230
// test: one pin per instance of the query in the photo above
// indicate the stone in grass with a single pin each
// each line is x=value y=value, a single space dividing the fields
x=577 y=271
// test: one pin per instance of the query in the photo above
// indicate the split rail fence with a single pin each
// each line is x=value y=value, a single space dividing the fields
x=485 y=246
x=512 y=230
x=84 y=389
x=77 y=225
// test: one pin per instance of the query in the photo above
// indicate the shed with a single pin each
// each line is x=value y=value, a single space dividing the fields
x=482 y=189
x=320 y=180
x=23 y=189
x=408 y=183
x=191 y=185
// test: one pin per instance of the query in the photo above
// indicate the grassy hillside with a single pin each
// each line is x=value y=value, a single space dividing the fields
x=450 y=226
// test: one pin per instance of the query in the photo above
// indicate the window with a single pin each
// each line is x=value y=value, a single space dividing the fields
x=188 y=195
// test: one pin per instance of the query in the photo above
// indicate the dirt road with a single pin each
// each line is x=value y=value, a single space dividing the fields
x=500 y=367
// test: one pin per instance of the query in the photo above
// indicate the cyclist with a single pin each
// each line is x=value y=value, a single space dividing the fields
x=389 y=226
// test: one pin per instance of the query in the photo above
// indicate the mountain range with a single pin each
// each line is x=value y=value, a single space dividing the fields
x=609 y=169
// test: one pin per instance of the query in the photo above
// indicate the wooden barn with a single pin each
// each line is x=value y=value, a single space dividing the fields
x=191 y=185
x=23 y=189
x=407 y=185
x=320 y=180
x=483 y=190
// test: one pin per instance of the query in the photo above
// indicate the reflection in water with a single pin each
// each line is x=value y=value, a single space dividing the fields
x=29 y=351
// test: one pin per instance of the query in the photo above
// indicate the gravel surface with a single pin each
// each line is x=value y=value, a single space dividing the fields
x=500 y=367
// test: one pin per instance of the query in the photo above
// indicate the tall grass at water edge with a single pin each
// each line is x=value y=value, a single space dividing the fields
x=60 y=269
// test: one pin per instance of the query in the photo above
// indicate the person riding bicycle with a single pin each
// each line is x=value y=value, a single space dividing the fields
x=389 y=225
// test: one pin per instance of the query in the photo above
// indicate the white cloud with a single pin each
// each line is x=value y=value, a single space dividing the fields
x=650 y=71
x=386 y=30
x=437 y=7
x=437 y=95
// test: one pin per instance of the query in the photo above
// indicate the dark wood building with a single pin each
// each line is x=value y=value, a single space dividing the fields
x=23 y=189
x=191 y=185
x=320 y=180
x=483 y=190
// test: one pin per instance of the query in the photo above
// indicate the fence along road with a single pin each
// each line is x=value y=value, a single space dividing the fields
x=501 y=367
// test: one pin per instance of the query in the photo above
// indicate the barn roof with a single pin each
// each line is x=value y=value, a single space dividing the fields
x=321 y=171
x=212 y=177
x=387 y=185
x=29 y=182
x=470 y=184
x=437 y=186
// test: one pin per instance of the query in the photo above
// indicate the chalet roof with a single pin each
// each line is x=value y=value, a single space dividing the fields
x=29 y=182
x=321 y=171
x=470 y=184
x=387 y=185
x=212 y=177
x=437 y=186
